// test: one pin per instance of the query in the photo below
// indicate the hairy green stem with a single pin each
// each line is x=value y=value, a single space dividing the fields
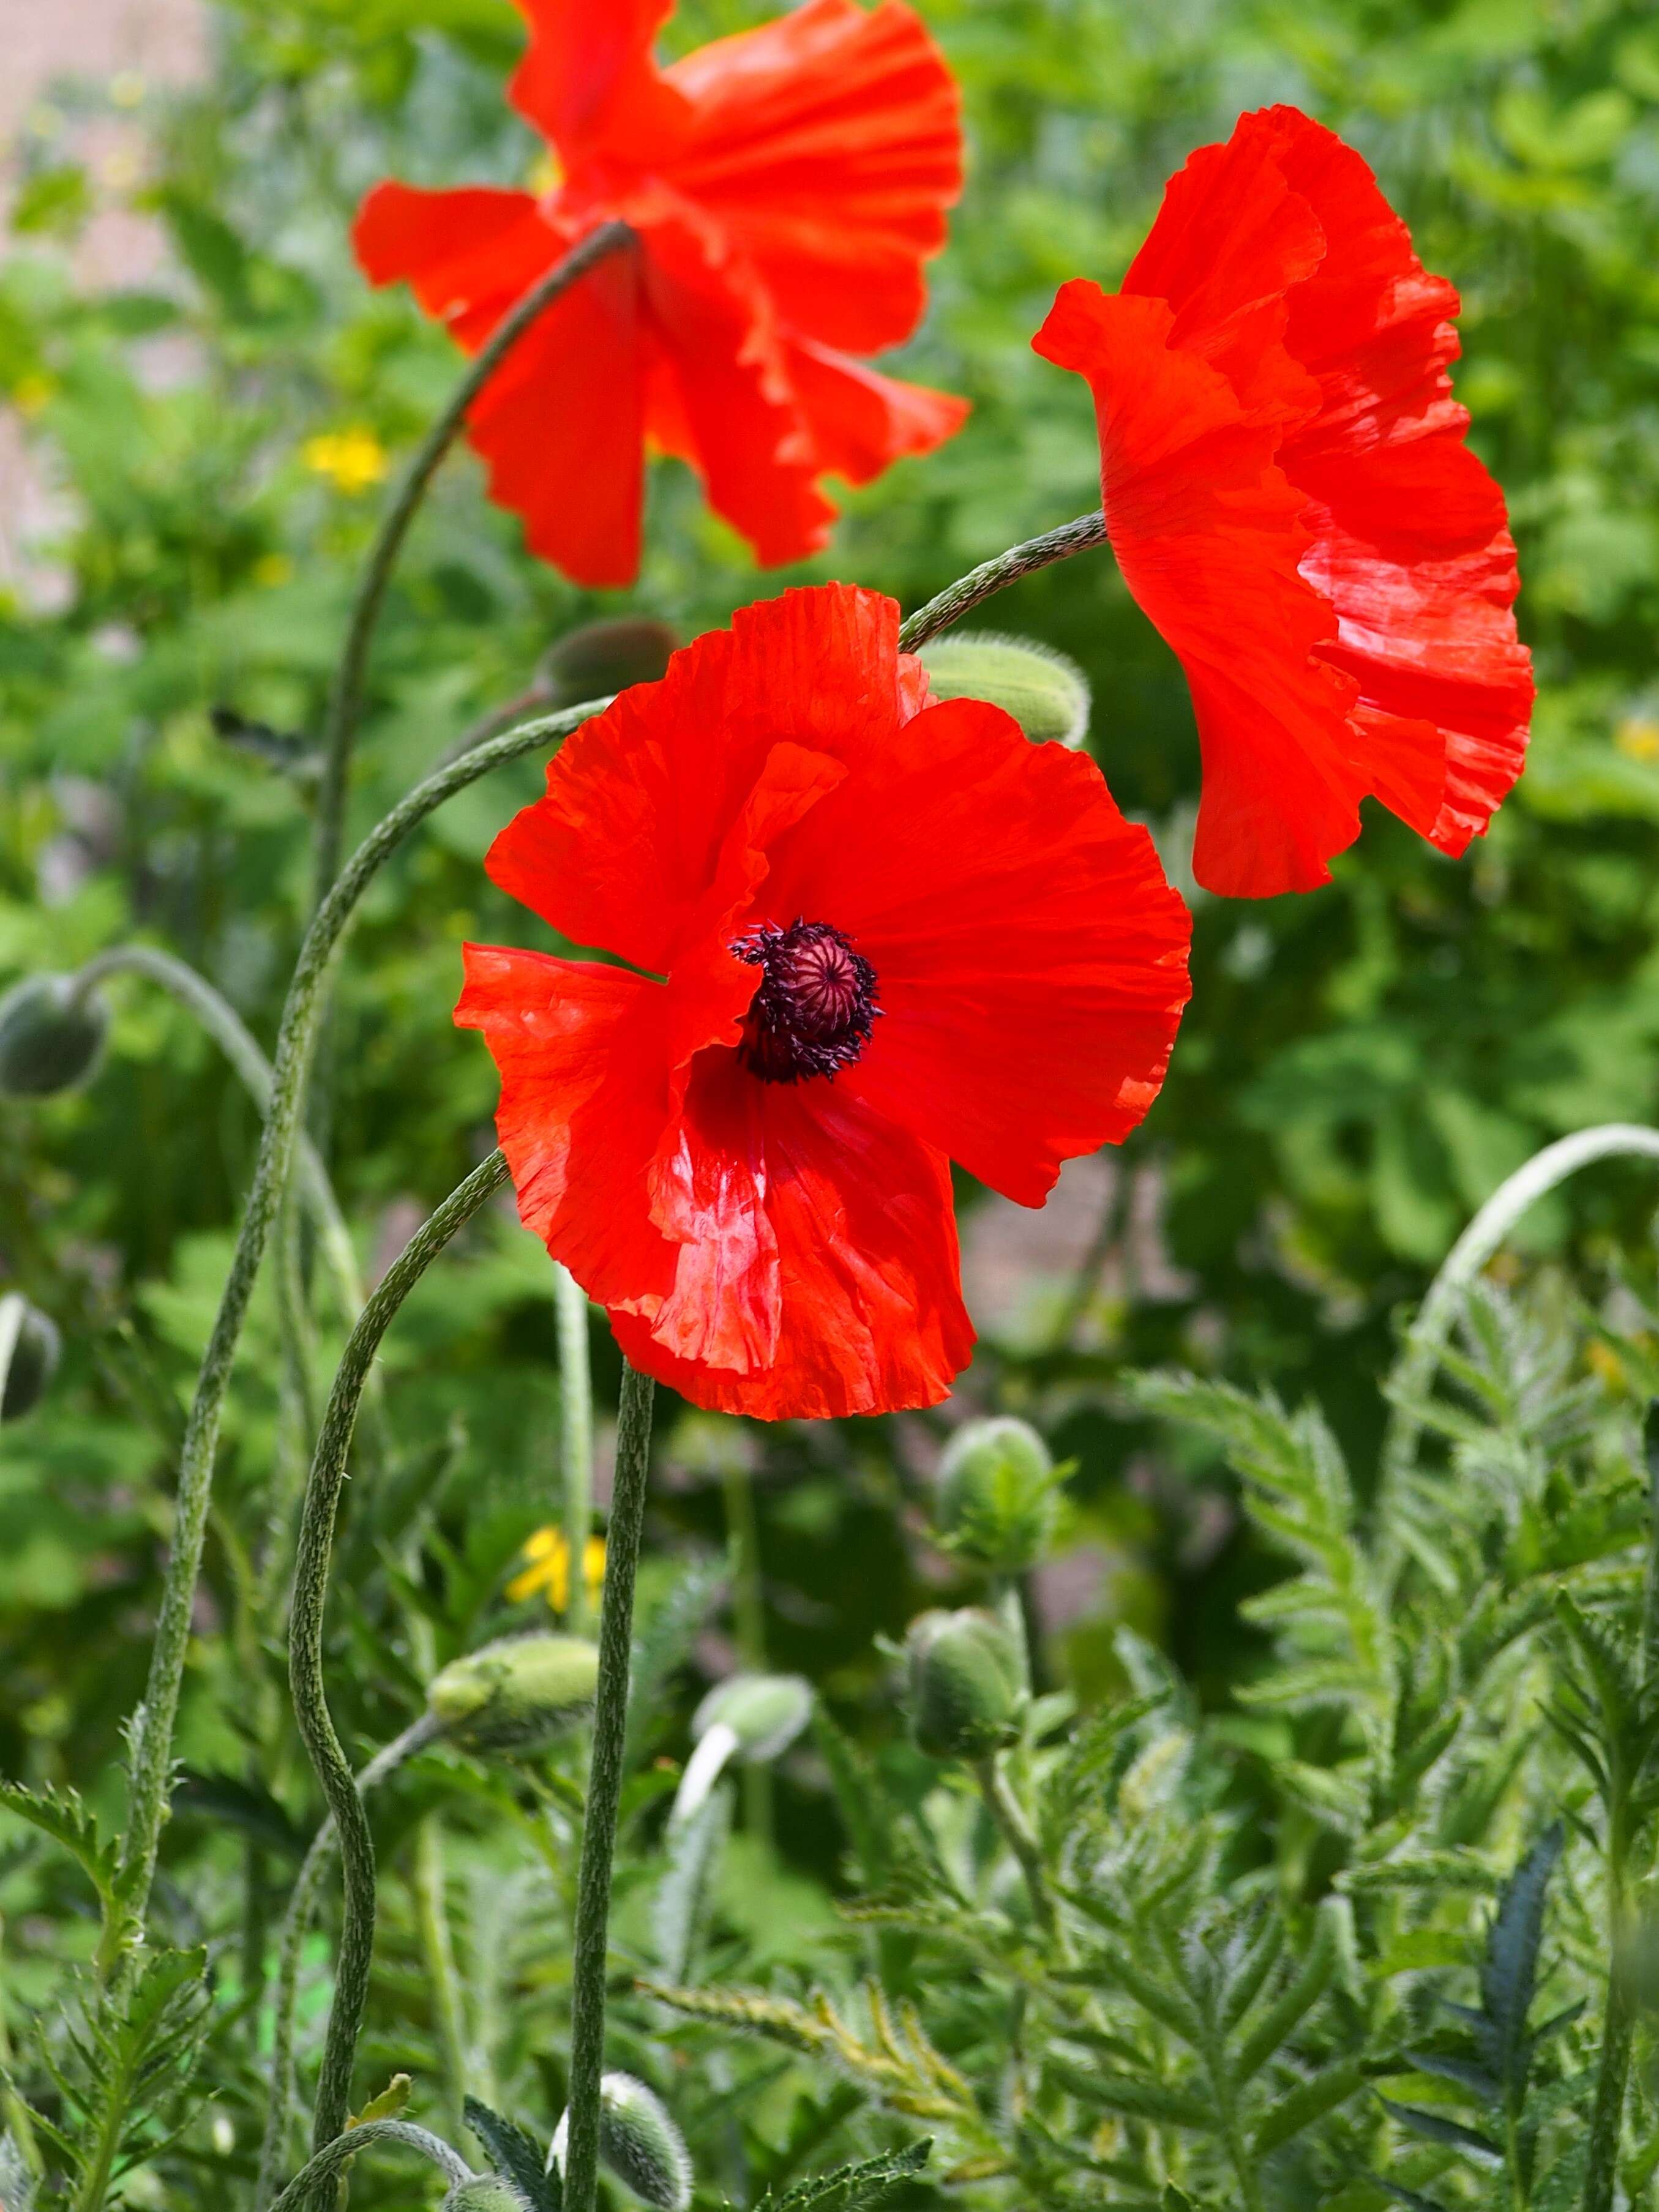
x=992 y=576
x=431 y=1889
x=228 y=1031
x=345 y=701
x=1006 y=1810
x=1414 y=1369
x=315 y=2179
x=575 y=1440
x=301 y=1904
x=590 y=1948
x=304 y=1666
x=153 y=1724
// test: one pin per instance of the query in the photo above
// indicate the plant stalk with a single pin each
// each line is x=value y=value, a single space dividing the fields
x=346 y=700
x=1006 y=1811
x=152 y=1723
x=314 y=2179
x=310 y=1571
x=995 y=575
x=437 y=1947
x=590 y=1948
x=575 y=1440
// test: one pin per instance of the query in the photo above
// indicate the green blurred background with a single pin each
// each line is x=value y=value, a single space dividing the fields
x=1358 y=1069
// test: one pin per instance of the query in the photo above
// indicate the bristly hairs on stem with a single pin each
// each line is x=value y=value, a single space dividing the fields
x=995 y=575
x=318 y=2177
x=591 y=1947
x=345 y=702
x=311 y=1710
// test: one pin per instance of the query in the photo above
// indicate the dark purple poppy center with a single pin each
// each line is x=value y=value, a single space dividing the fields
x=816 y=1007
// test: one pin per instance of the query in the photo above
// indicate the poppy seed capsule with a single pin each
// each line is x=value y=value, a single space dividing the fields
x=50 y=1035
x=485 y=2192
x=638 y=2142
x=516 y=1694
x=967 y=1684
x=29 y=1346
x=605 y=657
x=996 y=1502
x=1047 y=694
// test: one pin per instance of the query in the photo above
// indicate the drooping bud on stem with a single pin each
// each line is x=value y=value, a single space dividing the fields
x=50 y=1034
x=638 y=2142
x=996 y=1504
x=607 y=656
x=1047 y=694
x=516 y=1694
x=29 y=1346
x=967 y=1684
x=753 y=1718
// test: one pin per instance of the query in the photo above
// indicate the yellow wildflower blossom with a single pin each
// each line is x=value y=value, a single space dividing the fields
x=1637 y=737
x=30 y=393
x=353 y=460
x=549 y=1569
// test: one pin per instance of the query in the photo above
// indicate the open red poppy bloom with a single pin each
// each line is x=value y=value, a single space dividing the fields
x=890 y=934
x=786 y=186
x=1291 y=500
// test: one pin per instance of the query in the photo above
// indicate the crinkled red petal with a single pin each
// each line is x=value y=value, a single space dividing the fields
x=588 y=79
x=819 y=1275
x=467 y=255
x=829 y=143
x=862 y=421
x=1031 y=958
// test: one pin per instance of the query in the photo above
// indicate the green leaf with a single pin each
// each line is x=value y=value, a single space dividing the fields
x=1435 y=2127
x=1135 y=2098
x=1299 y=2108
x=514 y=2154
x=854 y=2188
x=62 y=1815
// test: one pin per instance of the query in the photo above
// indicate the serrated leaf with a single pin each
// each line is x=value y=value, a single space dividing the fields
x=1509 y=1972
x=853 y=2188
x=514 y=2153
x=1132 y=2097
x=63 y=1816
x=387 y=2105
x=1435 y=2127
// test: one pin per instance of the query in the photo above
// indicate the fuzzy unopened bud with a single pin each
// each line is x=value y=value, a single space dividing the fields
x=967 y=1684
x=29 y=1346
x=638 y=2142
x=486 y=2192
x=602 y=657
x=1047 y=694
x=996 y=1502
x=516 y=1694
x=50 y=1035
x=764 y=1712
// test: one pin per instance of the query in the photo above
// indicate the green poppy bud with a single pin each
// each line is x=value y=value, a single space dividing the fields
x=602 y=657
x=50 y=1035
x=485 y=2192
x=29 y=1346
x=516 y=1694
x=996 y=1502
x=764 y=1712
x=638 y=2142
x=967 y=1684
x=1047 y=694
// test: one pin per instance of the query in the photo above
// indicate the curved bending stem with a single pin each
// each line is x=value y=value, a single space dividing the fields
x=345 y=702
x=604 y=1774
x=992 y=576
x=1426 y=1339
x=152 y=1754
x=332 y=2160
x=316 y=1518
x=228 y=1031
x=301 y=1904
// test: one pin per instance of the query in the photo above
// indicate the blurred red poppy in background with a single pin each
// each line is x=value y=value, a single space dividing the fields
x=1291 y=500
x=891 y=935
x=786 y=185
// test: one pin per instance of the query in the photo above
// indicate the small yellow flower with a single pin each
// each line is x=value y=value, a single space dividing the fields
x=353 y=460
x=1602 y=1359
x=545 y=174
x=272 y=568
x=1638 y=736
x=549 y=1568
x=30 y=393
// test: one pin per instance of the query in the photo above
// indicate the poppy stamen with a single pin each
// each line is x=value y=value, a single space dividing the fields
x=815 y=1008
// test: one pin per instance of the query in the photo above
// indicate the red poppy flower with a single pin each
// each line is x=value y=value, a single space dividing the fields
x=1291 y=500
x=890 y=934
x=786 y=186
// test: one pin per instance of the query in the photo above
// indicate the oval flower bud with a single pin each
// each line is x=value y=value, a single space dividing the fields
x=603 y=657
x=50 y=1035
x=638 y=2142
x=996 y=1503
x=515 y=1694
x=764 y=1712
x=29 y=1346
x=486 y=2192
x=967 y=1684
x=1047 y=694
